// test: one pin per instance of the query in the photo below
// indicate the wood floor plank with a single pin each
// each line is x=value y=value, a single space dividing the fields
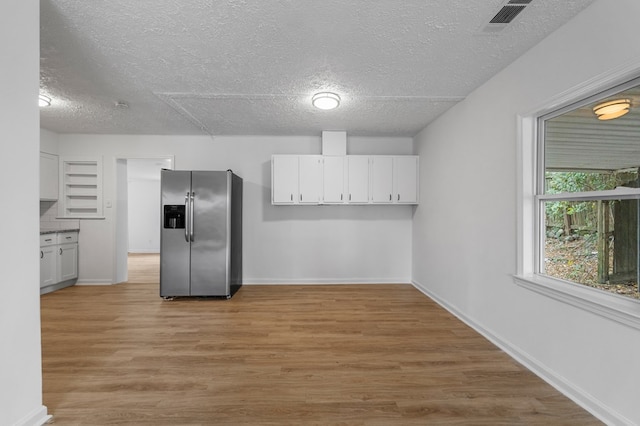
x=278 y=355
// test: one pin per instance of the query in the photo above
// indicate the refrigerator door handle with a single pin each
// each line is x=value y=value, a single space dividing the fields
x=191 y=213
x=186 y=214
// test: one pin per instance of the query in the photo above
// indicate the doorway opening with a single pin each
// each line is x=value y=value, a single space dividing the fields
x=143 y=268
x=137 y=250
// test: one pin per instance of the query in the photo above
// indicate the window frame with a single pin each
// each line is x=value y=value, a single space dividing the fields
x=531 y=199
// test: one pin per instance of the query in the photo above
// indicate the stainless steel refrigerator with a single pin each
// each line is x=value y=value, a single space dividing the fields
x=201 y=233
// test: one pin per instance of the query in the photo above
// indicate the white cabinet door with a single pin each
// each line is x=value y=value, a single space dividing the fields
x=333 y=178
x=310 y=183
x=67 y=261
x=358 y=179
x=48 y=177
x=381 y=179
x=284 y=179
x=405 y=179
x=351 y=179
x=48 y=265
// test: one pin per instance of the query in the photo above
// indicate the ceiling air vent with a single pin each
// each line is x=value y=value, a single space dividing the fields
x=505 y=15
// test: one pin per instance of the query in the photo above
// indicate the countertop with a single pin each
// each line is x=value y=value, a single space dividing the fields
x=55 y=231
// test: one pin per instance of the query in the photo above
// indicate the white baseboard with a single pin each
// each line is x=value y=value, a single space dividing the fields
x=576 y=394
x=103 y=281
x=144 y=251
x=37 y=417
x=323 y=281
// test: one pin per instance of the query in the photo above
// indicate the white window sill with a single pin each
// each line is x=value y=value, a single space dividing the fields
x=608 y=305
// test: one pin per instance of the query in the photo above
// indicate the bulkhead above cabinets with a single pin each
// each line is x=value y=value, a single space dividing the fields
x=348 y=179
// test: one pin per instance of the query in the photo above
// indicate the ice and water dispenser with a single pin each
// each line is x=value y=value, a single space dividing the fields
x=174 y=216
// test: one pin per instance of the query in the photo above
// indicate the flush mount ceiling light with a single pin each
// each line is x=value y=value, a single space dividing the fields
x=612 y=109
x=44 y=101
x=325 y=100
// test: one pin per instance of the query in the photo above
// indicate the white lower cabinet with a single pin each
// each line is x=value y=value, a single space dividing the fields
x=48 y=260
x=58 y=260
x=67 y=256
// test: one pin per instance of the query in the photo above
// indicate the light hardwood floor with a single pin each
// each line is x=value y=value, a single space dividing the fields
x=278 y=355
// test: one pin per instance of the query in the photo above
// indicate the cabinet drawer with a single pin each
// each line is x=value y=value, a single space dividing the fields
x=48 y=240
x=67 y=237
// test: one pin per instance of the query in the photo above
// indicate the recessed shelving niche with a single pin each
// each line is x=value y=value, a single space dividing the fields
x=80 y=187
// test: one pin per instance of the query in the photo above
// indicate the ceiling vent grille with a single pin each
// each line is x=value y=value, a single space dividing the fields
x=505 y=15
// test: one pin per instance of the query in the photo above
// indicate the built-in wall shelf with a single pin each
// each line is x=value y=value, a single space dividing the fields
x=80 y=188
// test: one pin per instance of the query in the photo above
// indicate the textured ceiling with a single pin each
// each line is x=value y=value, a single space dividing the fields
x=241 y=67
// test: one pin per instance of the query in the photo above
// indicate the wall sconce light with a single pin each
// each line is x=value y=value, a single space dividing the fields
x=44 y=101
x=612 y=109
x=325 y=100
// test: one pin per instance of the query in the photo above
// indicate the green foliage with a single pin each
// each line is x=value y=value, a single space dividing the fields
x=560 y=182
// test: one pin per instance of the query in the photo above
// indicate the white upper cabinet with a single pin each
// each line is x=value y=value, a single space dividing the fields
x=333 y=180
x=296 y=179
x=284 y=179
x=48 y=177
x=382 y=179
x=405 y=182
x=310 y=181
x=349 y=179
x=358 y=179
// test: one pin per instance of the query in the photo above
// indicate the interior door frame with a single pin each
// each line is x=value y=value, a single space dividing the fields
x=121 y=215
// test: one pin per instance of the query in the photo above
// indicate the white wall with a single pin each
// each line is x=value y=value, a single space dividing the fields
x=121 y=213
x=464 y=241
x=282 y=244
x=20 y=363
x=144 y=215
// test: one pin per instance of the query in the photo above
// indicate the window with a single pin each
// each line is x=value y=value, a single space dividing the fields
x=580 y=204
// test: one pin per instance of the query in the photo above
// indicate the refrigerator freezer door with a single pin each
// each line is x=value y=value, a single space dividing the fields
x=174 y=247
x=235 y=214
x=210 y=245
